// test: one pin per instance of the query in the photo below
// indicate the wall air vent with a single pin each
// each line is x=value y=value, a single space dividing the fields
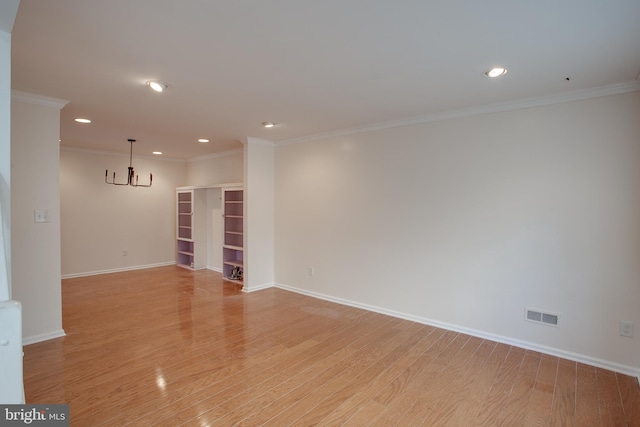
x=539 y=316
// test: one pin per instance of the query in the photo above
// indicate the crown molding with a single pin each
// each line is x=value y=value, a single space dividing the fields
x=214 y=155
x=44 y=101
x=168 y=159
x=118 y=154
x=577 y=95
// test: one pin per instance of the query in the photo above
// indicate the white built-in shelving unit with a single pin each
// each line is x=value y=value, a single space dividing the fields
x=195 y=231
x=233 y=247
x=191 y=226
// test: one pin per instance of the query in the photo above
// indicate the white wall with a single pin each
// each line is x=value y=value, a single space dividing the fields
x=464 y=222
x=35 y=185
x=100 y=220
x=215 y=229
x=259 y=163
x=5 y=161
x=216 y=169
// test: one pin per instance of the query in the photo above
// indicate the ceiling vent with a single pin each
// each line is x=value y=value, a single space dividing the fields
x=539 y=316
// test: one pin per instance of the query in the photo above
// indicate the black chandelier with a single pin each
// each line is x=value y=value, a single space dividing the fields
x=130 y=175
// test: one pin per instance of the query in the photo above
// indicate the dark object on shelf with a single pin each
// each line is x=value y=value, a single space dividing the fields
x=236 y=274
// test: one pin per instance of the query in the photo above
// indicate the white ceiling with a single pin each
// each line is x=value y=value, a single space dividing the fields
x=309 y=66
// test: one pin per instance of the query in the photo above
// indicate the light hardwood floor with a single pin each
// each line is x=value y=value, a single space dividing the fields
x=169 y=347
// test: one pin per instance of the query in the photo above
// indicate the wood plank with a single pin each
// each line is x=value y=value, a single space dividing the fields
x=395 y=388
x=501 y=388
x=514 y=411
x=349 y=385
x=539 y=410
x=425 y=388
x=287 y=394
x=630 y=395
x=587 y=412
x=219 y=393
x=609 y=399
x=448 y=396
x=232 y=416
x=476 y=383
x=563 y=410
x=269 y=402
x=410 y=354
x=336 y=378
x=365 y=415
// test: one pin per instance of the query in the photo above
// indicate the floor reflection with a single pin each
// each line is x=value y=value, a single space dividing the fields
x=231 y=318
x=184 y=299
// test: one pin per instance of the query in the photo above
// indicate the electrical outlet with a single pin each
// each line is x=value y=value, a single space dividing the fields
x=125 y=252
x=626 y=329
x=41 y=215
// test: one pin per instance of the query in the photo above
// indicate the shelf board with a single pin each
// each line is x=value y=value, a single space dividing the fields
x=188 y=267
x=185 y=253
x=184 y=239
x=239 y=233
x=235 y=248
x=233 y=216
x=239 y=282
x=184 y=226
x=234 y=263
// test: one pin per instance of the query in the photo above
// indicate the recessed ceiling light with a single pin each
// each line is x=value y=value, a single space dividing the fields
x=268 y=124
x=203 y=140
x=157 y=152
x=496 y=72
x=157 y=86
x=81 y=120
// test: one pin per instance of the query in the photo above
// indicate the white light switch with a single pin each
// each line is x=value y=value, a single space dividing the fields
x=41 y=215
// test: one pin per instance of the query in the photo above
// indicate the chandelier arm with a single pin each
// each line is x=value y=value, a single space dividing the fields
x=143 y=185
x=113 y=180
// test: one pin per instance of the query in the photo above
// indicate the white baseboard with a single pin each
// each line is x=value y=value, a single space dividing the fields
x=258 y=288
x=216 y=269
x=117 y=270
x=587 y=360
x=43 y=337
